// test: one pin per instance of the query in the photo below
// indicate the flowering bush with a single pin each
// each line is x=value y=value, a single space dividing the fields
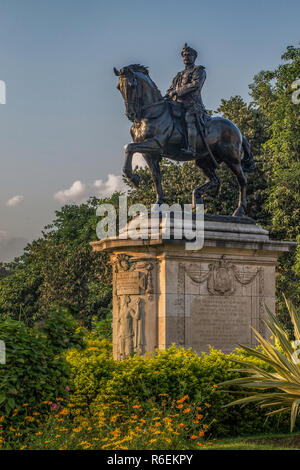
x=158 y=423
x=99 y=380
x=32 y=374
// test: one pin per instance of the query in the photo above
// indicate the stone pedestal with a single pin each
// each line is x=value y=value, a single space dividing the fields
x=164 y=293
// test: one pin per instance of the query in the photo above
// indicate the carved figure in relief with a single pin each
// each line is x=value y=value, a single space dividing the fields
x=130 y=327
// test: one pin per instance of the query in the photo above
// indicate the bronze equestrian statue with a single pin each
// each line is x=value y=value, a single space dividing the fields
x=159 y=129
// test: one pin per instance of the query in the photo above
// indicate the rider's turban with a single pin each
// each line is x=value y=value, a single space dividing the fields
x=189 y=49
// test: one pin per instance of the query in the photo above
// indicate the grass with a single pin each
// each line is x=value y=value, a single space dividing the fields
x=258 y=442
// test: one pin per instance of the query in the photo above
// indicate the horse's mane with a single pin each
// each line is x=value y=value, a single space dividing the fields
x=138 y=68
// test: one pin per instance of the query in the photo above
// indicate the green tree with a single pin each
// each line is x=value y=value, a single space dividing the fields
x=272 y=94
x=60 y=268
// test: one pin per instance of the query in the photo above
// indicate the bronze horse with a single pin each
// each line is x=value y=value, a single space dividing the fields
x=158 y=131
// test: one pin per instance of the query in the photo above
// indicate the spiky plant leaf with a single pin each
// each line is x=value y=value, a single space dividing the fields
x=284 y=377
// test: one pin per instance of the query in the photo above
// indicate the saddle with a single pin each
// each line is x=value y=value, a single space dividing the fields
x=178 y=114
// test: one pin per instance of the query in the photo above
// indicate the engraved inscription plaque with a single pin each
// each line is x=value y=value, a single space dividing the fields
x=128 y=283
x=223 y=322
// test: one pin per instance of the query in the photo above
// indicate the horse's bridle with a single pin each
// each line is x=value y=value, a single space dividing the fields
x=138 y=98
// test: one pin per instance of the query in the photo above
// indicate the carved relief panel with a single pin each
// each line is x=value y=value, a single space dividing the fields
x=229 y=300
x=133 y=290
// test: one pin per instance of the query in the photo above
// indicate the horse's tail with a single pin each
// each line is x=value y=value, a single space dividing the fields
x=248 y=163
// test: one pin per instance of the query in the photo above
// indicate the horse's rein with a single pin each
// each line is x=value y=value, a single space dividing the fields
x=153 y=104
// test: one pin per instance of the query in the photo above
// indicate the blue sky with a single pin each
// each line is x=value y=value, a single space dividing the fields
x=64 y=119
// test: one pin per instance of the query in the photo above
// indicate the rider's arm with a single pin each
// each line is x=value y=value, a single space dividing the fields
x=172 y=87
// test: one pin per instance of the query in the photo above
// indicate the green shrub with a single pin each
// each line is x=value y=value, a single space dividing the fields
x=33 y=374
x=62 y=330
x=102 y=329
x=91 y=369
x=97 y=379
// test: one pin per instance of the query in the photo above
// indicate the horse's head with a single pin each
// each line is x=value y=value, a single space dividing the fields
x=136 y=88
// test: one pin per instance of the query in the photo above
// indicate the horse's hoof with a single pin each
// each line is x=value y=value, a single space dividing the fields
x=135 y=180
x=196 y=200
x=239 y=212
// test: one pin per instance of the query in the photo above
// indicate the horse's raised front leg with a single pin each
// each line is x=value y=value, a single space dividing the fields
x=153 y=163
x=211 y=180
x=150 y=146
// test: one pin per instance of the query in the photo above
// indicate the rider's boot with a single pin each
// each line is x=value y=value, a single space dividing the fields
x=192 y=141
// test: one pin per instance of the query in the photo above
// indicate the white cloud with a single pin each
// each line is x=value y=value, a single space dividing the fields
x=113 y=183
x=15 y=201
x=76 y=193
x=79 y=192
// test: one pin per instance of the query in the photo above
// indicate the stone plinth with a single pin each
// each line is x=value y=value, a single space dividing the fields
x=164 y=293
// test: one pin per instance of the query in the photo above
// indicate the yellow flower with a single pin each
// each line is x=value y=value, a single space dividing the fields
x=200 y=417
x=77 y=429
x=183 y=399
x=29 y=418
x=208 y=405
x=25 y=404
x=38 y=433
x=22 y=447
x=179 y=407
x=187 y=410
x=65 y=411
x=136 y=406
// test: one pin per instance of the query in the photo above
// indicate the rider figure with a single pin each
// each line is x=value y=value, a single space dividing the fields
x=186 y=89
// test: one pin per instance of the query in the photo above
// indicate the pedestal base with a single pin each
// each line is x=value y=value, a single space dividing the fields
x=164 y=293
